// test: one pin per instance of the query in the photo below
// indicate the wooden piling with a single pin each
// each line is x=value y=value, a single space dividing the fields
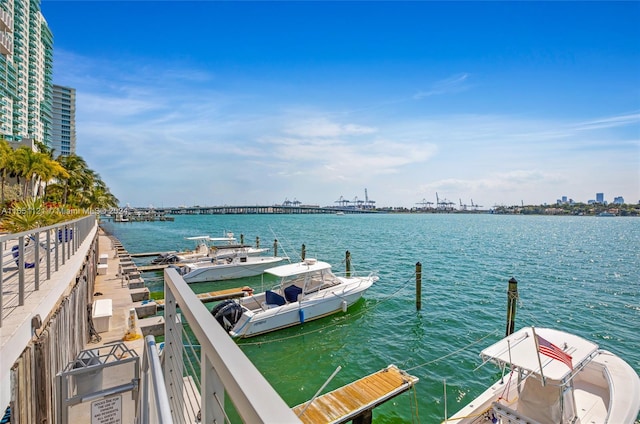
x=242 y=239
x=418 y=286
x=512 y=297
x=303 y=254
x=257 y=242
x=347 y=261
x=275 y=247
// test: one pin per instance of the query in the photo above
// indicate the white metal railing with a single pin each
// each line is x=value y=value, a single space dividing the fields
x=29 y=258
x=223 y=368
x=154 y=407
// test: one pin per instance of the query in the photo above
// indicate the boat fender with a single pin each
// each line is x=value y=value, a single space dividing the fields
x=344 y=306
x=301 y=313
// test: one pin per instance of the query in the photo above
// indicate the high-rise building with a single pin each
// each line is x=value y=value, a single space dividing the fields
x=63 y=133
x=600 y=197
x=26 y=65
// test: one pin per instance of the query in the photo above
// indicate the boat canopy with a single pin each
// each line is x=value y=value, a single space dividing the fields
x=305 y=267
x=519 y=350
x=229 y=239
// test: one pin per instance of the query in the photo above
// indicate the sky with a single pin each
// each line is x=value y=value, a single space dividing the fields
x=257 y=103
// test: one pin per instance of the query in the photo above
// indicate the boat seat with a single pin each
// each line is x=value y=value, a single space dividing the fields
x=273 y=298
x=291 y=293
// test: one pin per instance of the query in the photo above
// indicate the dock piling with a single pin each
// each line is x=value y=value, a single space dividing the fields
x=512 y=297
x=275 y=247
x=303 y=254
x=418 y=286
x=347 y=260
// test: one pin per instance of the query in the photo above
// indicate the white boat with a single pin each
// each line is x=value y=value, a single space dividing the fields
x=307 y=290
x=556 y=377
x=227 y=267
x=207 y=247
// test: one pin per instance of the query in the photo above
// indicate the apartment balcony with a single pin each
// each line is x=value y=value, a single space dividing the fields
x=6 y=43
x=6 y=21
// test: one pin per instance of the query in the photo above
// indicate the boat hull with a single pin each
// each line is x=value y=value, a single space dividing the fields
x=325 y=303
x=203 y=272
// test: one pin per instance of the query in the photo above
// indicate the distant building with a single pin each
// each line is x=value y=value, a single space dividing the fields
x=63 y=134
x=618 y=200
x=600 y=197
x=26 y=65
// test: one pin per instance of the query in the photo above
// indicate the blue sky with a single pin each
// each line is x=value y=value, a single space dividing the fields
x=243 y=103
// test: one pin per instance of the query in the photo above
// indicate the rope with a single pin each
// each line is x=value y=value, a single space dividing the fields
x=94 y=337
x=352 y=315
x=452 y=353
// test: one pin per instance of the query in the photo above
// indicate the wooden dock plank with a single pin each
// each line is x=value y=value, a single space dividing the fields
x=347 y=402
x=216 y=295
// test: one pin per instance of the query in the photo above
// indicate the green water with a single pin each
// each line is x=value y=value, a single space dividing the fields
x=579 y=274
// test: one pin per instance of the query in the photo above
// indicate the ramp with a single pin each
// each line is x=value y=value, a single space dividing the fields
x=348 y=402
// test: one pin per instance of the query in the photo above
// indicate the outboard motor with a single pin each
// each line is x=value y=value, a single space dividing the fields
x=227 y=313
x=181 y=270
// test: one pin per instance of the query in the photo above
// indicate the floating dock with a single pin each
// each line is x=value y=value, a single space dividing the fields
x=356 y=399
x=217 y=295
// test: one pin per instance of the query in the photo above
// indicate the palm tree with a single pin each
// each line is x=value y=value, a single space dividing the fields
x=49 y=171
x=29 y=164
x=79 y=174
x=99 y=196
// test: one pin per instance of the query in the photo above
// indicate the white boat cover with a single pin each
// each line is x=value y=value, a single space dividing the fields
x=298 y=268
x=519 y=350
x=197 y=238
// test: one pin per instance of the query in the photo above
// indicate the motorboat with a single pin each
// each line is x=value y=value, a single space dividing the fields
x=207 y=247
x=554 y=377
x=306 y=291
x=227 y=267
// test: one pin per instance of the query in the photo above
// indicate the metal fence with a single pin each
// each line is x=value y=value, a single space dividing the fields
x=29 y=259
x=199 y=373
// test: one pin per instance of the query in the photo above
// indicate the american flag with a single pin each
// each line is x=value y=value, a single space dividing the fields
x=552 y=351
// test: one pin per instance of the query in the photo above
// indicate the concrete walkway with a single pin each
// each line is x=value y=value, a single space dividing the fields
x=112 y=287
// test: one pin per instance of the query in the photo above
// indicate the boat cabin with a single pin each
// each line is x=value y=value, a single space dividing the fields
x=298 y=280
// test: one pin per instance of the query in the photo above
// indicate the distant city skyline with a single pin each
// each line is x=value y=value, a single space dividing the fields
x=258 y=102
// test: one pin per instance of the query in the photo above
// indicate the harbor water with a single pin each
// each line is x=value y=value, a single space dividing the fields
x=578 y=274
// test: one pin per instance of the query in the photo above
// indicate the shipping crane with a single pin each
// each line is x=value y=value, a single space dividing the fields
x=425 y=204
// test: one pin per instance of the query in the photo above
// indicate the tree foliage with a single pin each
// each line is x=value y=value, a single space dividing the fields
x=47 y=186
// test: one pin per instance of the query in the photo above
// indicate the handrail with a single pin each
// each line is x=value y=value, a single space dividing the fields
x=29 y=258
x=224 y=367
x=153 y=405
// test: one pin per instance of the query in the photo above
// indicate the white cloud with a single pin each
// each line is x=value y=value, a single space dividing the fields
x=155 y=138
x=453 y=84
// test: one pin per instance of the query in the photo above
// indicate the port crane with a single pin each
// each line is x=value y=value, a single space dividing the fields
x=342 y=202
x=425 y=204
x=476 y=206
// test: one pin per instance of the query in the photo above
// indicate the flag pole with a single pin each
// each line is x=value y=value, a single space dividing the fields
x=535 y=339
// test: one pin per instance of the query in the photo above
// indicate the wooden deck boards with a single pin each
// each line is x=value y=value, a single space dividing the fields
x=216 y=295
x=347 y=402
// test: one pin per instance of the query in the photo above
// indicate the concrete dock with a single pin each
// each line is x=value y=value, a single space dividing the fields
x=112 y=285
